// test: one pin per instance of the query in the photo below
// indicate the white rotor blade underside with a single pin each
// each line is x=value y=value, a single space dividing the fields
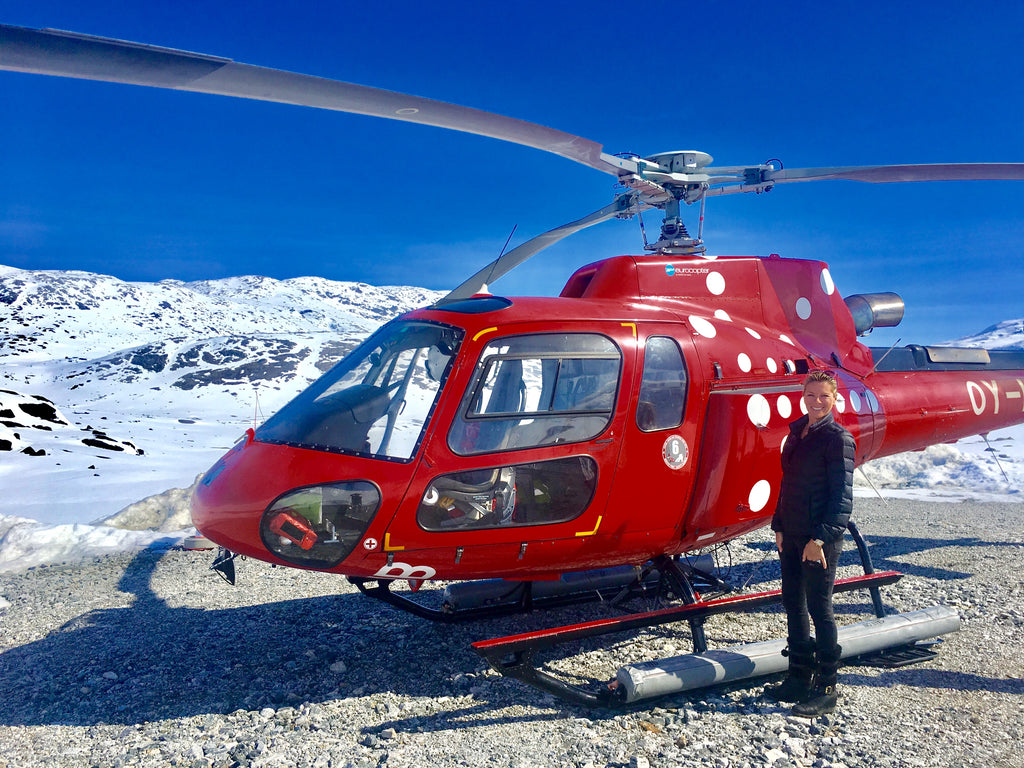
x=68 y=54
x=660 y=181
x=882 y=174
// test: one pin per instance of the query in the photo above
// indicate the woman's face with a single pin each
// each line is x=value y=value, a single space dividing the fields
x=819 y=399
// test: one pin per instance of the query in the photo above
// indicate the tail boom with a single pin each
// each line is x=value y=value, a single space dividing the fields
x=924 y=408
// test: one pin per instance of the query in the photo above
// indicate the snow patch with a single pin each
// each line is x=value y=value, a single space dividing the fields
x=166 y=511
x=27 y=543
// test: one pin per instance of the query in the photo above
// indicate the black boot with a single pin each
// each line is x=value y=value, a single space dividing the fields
x=825 y=694
x=800 y=681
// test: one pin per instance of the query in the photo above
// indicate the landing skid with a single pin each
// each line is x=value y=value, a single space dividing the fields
x=888 y=640
x=882 y=641
x=513 y=656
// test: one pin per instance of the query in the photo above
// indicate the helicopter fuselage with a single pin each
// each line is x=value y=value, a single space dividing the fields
x=640 y=413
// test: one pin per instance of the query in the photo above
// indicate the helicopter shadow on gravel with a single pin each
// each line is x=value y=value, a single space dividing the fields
x=929 y=677
x=888 y=553
x=150 y=661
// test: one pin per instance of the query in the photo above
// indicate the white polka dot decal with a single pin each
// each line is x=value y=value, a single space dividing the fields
x=771 y=365
x=716 y=283
x=784 y=407
x=721 y=314
x=826 y=282
x=743 y=360
x=872 y=400
x=759 y=495
x=703 y=327
x=855 y=401
x=803 y=308
x=753 y=333
x=840 y=402
x=786 y=339
x=759 y=411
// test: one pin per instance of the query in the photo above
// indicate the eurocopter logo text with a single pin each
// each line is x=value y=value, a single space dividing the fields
x=672 y=269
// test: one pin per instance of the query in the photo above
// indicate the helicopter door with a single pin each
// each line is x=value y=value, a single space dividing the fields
x=531 y=445
x=655 y=471
x=739 y=461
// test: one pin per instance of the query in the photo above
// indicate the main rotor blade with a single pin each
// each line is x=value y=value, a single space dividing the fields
x=881 y=174
x=624 y=205
x=68 y=54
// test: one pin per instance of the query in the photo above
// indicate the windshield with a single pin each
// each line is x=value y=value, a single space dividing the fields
x=377 y=400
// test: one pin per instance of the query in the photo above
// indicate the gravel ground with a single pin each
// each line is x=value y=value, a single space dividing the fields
x=150 y=660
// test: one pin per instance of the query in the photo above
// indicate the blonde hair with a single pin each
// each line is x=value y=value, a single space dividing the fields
x=824 y=377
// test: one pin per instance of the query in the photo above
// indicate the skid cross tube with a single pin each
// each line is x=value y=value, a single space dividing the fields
x=512 y=656
x=683 y=578
x=865 y=560
x=381 y=590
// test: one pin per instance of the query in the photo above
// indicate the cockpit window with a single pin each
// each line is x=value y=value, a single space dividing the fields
x=541 y=493
x=377 y=400
x=662 y=397
x=538 y=390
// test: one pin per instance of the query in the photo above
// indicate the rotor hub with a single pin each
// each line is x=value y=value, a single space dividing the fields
x=682 y=161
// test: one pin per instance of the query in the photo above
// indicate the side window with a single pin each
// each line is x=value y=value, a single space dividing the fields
x=662 y=398
x=541 y=493
x=538 y=390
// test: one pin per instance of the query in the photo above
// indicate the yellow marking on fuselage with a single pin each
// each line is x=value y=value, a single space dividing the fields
x=591 y=533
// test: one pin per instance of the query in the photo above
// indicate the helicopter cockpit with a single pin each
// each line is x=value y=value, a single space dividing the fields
x=526 y=391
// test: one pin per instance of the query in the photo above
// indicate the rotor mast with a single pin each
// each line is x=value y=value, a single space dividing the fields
x=667 y=179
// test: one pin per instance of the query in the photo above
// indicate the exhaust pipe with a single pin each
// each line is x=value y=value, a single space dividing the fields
x=875 y=310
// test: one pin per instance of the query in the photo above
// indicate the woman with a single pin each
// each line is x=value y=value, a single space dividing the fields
x=815 y=502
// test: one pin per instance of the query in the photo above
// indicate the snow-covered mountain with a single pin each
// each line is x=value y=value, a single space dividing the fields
x=113 y=391
x=115 y=396
x=1006 y=335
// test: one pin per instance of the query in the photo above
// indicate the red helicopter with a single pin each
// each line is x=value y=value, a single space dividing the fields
x=636 y=417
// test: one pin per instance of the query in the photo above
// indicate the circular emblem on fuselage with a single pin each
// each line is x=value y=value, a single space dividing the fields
x=675 y=452
x=369 y=544
x=670 y=269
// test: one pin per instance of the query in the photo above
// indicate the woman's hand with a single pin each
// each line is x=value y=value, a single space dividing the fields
x=815 y=553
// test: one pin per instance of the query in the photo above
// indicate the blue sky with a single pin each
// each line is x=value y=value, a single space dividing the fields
x=146 y=184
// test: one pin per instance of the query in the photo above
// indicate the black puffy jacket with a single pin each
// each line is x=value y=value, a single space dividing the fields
x=816 y=497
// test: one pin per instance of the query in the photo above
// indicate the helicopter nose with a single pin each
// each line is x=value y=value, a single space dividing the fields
x=262 y=498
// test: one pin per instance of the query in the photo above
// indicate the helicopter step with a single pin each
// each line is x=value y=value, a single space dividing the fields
x=513 y=656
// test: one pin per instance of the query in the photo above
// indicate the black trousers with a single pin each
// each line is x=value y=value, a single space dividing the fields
x=807 y=594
